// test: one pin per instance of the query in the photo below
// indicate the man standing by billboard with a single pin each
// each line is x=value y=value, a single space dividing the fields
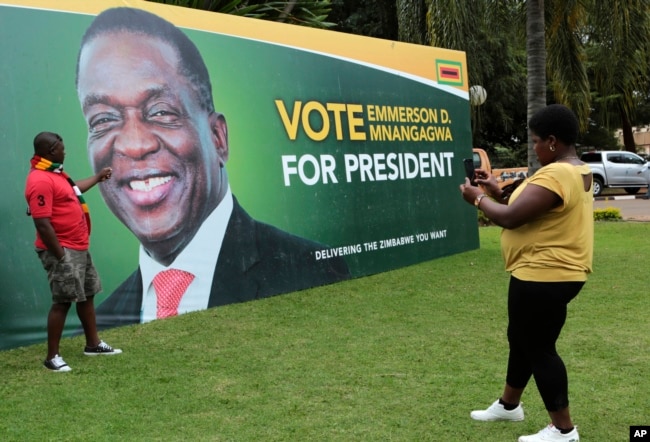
x=62 y=225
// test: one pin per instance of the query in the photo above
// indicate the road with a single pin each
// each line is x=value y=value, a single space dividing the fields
x=632 y=207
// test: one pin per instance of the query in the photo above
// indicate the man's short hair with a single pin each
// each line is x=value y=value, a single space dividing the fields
x=557 y=120
x=140 y=22
x=45 y=141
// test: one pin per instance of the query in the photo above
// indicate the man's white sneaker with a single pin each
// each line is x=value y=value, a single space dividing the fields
x=496 y=412
x=552 y=434
x=56 y=364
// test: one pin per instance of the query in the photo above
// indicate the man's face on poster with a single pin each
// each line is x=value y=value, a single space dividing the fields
x=145 y=121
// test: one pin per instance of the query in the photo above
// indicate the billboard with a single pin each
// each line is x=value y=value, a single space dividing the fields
x=265 y=158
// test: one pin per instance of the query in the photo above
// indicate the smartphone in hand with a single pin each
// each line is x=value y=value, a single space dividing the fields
x=469 y=170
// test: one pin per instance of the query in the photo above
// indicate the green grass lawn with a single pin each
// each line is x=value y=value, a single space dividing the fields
x=399 y=356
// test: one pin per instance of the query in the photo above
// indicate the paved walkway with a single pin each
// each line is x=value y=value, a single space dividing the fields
x=632 y=207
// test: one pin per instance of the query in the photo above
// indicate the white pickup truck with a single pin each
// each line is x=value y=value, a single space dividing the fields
x=617 y=168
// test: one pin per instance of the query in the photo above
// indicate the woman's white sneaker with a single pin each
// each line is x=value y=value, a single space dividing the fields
x=552 y=434
x=496 y=412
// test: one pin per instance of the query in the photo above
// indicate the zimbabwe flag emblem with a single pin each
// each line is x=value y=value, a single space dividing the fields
x=449 y=72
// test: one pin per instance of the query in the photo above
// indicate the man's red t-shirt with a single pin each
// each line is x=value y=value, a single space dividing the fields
x=50 y=195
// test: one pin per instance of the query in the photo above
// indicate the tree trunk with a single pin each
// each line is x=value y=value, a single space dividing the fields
x=411 y=21
x=628 y=135
x=536 y=67
x=287 y=10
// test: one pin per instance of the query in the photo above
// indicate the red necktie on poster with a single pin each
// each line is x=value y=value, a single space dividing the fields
x=170 y=285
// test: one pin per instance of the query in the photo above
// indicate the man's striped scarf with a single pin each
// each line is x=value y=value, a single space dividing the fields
x=41 y=163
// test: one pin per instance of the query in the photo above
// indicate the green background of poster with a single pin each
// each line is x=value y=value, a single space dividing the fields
x=39 y=50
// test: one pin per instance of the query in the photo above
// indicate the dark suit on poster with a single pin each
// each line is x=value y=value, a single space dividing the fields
x=256 y=261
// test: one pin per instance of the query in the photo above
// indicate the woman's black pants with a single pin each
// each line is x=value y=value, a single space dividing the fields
x=536 y=314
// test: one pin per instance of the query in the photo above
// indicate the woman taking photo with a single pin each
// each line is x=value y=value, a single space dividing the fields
x=547 y=245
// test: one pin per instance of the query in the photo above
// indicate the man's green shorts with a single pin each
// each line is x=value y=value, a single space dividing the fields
x=74 y=278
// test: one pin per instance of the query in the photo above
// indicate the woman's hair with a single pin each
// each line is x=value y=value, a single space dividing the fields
x=557 y=120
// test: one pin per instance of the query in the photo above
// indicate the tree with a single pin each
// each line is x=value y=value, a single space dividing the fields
x=311 y=13
x=556 y=25
x=618 y=47
x=456 y=25
x=411 y=21
x=536 y=63
x=372 y=18
x=566 y=57
x=496 y=60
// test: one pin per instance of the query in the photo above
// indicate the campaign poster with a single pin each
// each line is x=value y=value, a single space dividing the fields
x=340 y=156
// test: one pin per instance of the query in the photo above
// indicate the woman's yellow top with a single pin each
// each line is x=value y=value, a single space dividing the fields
x=557 y=246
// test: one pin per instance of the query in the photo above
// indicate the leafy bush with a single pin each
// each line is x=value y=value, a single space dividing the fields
x=607 y=214
x=483 y=220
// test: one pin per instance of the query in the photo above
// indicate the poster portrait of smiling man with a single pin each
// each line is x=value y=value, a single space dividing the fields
x=249 y=158
x=146 y=96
